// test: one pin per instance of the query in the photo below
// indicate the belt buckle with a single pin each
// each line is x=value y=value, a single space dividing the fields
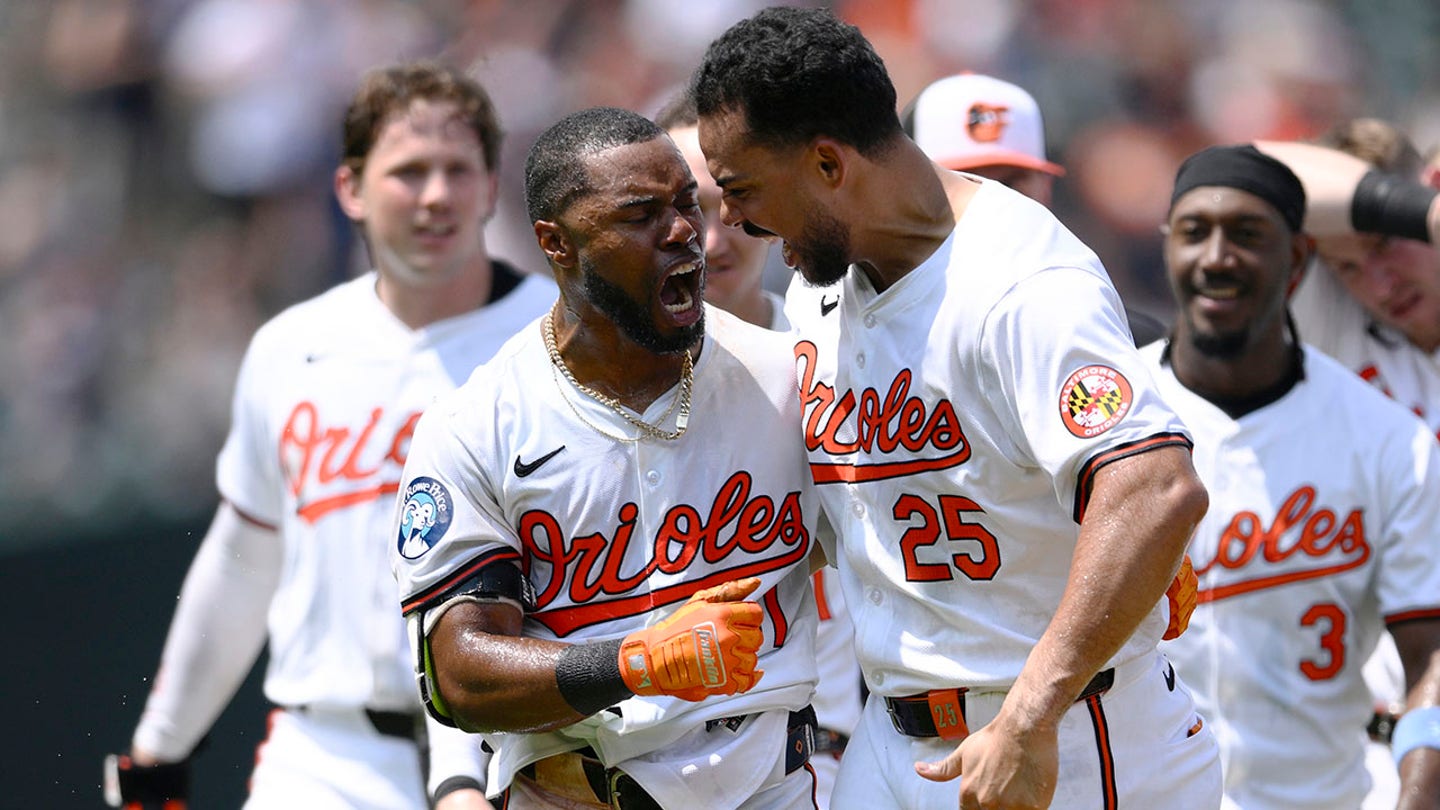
x=947 y=711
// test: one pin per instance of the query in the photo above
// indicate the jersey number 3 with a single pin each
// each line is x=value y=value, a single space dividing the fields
x=1332 y=640
x=976 y=562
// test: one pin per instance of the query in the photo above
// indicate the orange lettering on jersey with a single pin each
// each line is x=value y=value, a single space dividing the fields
x=315 y=457
x=1246 y=543
x=758 y=534
x=882 y=425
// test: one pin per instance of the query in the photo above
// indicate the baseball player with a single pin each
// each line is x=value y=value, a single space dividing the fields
x=1011 y=496
x=616 y=514
x=1373 y=302
x=734 y=267
x=326 y=401
x=989 y=127
x=1310 y=548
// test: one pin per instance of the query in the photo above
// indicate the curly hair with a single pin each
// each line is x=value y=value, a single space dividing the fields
x=797 y=74
x=388 y=90
x=553 y=175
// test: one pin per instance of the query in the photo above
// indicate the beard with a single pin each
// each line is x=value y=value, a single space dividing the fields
x=1219 y=345
x=823 y=256
x=633 y=317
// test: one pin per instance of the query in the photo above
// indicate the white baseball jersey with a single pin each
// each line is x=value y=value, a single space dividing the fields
x=1333 y=322
x=328 y=395
x=837 y=696
x=1329 y=319
x=520 y=465
x=1323 y=525
x=955 y=423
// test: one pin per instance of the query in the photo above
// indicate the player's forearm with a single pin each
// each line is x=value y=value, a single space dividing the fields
x=1331 y=179
x=493 y=680
x=1136 y=527
x=215 y=636
x=1418 y=643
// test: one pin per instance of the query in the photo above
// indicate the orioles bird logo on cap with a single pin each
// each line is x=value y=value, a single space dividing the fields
x=986 y=122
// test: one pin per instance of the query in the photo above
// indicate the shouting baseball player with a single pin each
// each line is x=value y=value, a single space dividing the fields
x=1324 y=525
x=1010 y=494
x=734 y=268
x=617 y=518
x=327 y=398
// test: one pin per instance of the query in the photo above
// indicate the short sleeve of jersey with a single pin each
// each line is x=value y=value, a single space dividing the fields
x=1409 y=581
x=1071 y=388
x=248 y=471
x=448 y=523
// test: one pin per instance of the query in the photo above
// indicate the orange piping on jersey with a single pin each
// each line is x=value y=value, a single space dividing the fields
x=1205 y=596
x=1087 y=473
x=771 y=601
x=821 y=602
x=251 y=519
x=1107 y=755
x=857 y=473
x=493 y=555
x=321 y=507
x=1411 y=615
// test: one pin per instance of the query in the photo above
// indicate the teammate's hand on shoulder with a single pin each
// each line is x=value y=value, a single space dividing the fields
x=707 y=647
x=1183 y=594
x=1004 y=769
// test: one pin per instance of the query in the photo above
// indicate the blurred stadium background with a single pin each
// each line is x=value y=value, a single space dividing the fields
x=165 y=187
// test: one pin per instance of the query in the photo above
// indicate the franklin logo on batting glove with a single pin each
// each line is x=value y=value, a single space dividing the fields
x=708 y=647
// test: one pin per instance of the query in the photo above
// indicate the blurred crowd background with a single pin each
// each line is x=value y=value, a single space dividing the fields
x=165 y=170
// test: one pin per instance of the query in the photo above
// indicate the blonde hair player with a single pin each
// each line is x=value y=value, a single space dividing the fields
x=326 y=400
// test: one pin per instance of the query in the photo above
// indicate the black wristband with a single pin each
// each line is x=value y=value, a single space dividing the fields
x=453 y=784
x=1388 y=204
x=588 y=676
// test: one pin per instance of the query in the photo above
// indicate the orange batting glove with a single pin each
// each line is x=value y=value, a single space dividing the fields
x=707 y=647
x=1182 y=595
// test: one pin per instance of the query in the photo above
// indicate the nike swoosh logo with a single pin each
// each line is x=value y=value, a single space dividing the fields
x=826 y=306
x=1170 y=676
x=522 y=469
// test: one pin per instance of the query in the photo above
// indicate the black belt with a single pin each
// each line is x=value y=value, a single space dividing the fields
x=915 y=715
x=619 y=790
x=404 y=725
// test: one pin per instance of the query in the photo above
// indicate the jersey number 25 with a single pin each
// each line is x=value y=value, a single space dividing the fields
x=975 y=562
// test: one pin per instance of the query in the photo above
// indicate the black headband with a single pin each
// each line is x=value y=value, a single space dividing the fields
x=1248 y=169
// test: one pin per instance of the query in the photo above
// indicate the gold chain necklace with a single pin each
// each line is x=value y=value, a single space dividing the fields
x=687 y=381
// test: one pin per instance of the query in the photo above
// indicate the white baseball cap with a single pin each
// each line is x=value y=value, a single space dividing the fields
x=970 y=120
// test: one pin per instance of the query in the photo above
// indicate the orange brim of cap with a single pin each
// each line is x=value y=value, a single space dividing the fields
x=1001 y=157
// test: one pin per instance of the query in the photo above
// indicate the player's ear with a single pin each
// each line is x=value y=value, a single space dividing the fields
x=347 y=192
x=1302 y=250
x=555 y=243
x=828 y=158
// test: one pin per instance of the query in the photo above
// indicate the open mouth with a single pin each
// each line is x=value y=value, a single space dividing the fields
x=680 y=291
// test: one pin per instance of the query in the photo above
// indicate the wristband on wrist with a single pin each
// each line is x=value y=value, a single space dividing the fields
x=588 y=676
x=453 y=784
x=1387 y=204
x=1417 y=728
